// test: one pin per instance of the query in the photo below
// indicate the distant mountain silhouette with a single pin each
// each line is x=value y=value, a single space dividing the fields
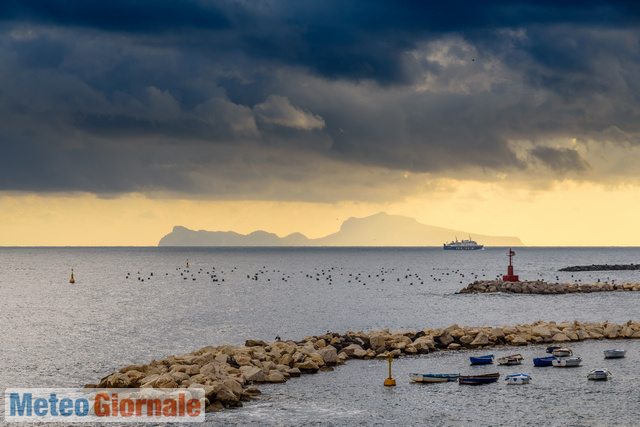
x=380 y=229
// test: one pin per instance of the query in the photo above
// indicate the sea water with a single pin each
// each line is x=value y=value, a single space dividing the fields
x=132 y=305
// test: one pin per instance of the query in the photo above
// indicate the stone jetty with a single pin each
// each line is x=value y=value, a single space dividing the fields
x=228 y=374
x=539 y=287
x=602 y=267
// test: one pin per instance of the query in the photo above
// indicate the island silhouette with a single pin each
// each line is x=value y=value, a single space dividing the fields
x=380 y=229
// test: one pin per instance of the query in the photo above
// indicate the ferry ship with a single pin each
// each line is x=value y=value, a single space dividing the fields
x=464 y=245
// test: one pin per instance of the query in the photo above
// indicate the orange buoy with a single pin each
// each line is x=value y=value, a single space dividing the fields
x=72 y=280
x=187 y=262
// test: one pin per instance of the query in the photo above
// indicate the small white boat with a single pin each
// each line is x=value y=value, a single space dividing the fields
x=562 y=352
x=434 y=378
x=567 y=362
x=614 y=354
x=517 y=379
x=598 y=374
x=514 y=359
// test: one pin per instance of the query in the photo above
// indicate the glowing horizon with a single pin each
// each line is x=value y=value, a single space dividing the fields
x=134 y=220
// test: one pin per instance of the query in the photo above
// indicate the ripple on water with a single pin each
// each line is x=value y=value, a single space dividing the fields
x=61 y=335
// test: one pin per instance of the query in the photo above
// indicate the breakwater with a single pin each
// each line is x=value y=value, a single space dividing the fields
x=602 y=267
x=540 y=287
x=228 y=374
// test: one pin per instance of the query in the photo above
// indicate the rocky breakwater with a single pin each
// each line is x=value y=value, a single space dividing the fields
x=539 y=287
x=228 y=374
x=601 y=267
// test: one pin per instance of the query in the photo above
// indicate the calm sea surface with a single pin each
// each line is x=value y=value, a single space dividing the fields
x=131 y=305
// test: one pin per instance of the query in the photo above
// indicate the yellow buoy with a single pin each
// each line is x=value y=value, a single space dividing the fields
x=390 y=381
x=72 y=280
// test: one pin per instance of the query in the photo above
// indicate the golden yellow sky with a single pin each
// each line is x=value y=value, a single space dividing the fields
x=565 y=215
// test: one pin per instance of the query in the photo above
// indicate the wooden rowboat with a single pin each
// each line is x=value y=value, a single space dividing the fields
x=434 y=378
x=614 y=354
x=553 y=347
x=514 y=359
x=598 y=374
x=567 y=362
x=481 y=360
x=562 y=352
x=517 y=379
x=478 y=379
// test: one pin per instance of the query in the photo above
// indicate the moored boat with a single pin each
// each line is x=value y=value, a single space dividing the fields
x=562 y=352
x=598 y=374
x=478 y=379
x=614 y=354
x=517 y=379
x=434 y=378
x=482 y=360
x=514 y=359
x=567 y=362
x=544 y=361
x=553 y=347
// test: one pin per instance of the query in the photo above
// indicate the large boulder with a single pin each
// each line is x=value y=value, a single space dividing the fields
x=243 y=360
x=480 y=340
x=496 y=334
x=446 y=339
x=424 y=344
x=227 y=396
x=350 y=349
x=116 y=380
x=541 y=331
x=140 y=368
x=137 y=377
x=466 y=339
x=209 y=391
x=165 y=381
x=179 y=376
x=307 y=366
x=252 y=374
x=518 y=340
x=560 y=338
x=275 y=377
x=234 y=386
x=611 y=330
x=378 y=343
x=329 y=355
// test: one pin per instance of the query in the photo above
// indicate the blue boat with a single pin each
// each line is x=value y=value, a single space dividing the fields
x=544 y=361
x=479 y=379
x=482 y=360
x=551 y=348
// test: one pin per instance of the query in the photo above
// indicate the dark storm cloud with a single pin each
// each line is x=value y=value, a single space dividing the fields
x=560 y=159
x=222 y=97
x=358 y=39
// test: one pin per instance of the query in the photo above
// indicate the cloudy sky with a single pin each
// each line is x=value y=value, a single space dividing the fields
x=121 y=119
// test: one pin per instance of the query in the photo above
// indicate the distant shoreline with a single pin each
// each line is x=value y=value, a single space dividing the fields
x=298 y=247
